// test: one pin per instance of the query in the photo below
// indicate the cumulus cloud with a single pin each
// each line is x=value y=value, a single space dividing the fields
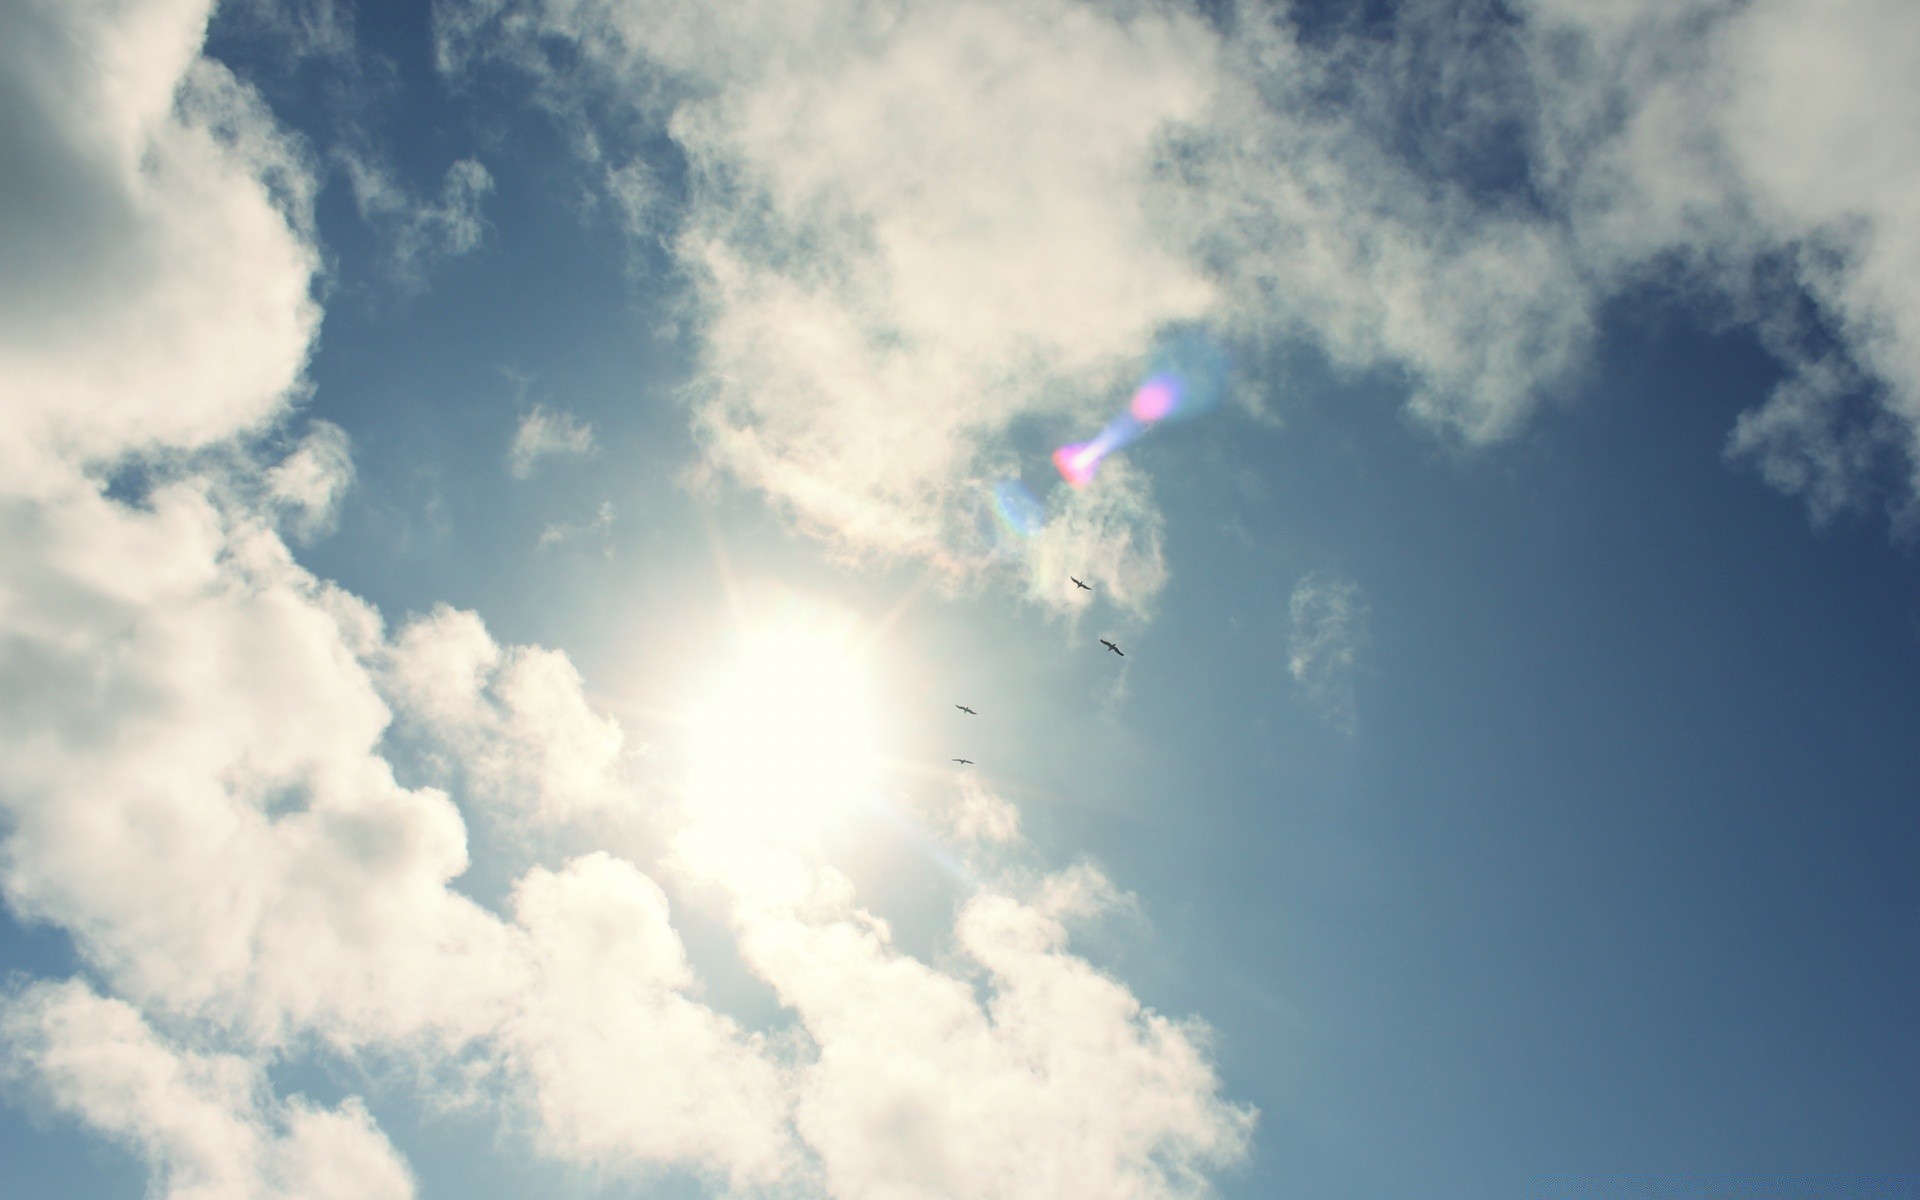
x=1024 y=1073
x=624 y=1068
x=158 y=213
x=205 y=1124
x=1327 y=627
x=517 y=720
x=543 y=433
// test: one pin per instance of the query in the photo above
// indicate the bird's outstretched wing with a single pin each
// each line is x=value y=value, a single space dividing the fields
x=963 y=708
x=963 y=761
x=1083 y=587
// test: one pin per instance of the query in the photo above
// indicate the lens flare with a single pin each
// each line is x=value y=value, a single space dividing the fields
x=1018 y=510
x=1186 y=376
x=1079 y=461
x=1158 y=397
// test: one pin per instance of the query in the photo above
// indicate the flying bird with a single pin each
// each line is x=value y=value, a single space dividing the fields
x=1083 y=587
x=1109 y=645
x=963 y=708
x=963 y=761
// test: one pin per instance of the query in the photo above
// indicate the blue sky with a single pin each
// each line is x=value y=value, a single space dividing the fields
x=415 y=409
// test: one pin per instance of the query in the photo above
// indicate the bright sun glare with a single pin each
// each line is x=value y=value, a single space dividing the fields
x=784 y=743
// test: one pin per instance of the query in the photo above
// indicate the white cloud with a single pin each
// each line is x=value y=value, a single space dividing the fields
x=154 y=263
x=203 y=1123
x=913 y=231
x=195 y=792
x=543 y=433
x=906 y=236
x=1775 y=135
x=308 y=484
x=517 y=720
x=1327 y=629
x=624 y=1069
x=1058 y=1082
x=978 y=814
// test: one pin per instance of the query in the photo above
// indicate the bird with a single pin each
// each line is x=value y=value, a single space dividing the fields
x=1109 y=645
x=963 y=761
x=963 y=708
x=1083 y=587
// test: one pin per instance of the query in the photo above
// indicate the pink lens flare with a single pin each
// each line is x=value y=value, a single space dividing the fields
x=1187 y=373
x=1077 y=462
x=1156 y=398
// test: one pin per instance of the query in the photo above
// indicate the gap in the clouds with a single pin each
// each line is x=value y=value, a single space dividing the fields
x=556 y=307
x=37 y=949
x=50 y=1154
x=1608 y=748
x=131 y=482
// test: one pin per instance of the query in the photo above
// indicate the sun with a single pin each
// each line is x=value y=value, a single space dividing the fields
x=784 y=742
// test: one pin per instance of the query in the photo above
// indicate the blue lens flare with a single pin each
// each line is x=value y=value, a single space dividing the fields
x=1017 y=509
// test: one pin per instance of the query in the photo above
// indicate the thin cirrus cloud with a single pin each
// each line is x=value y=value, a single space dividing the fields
x=914 y=232
x=420 y=233
x=1326 y=630
x=199 y=792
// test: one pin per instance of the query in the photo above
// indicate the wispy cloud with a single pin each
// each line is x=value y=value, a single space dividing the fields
x=601 y=527
x=1327 y=628
x=419 y=233
x=544 y=433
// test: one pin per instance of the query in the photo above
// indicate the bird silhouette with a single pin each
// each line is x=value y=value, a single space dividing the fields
x=963 y=708
x=963 y=761
x=1109 y=645
x=1083 y=587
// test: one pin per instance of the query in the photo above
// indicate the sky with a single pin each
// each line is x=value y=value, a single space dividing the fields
x=501 y=499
